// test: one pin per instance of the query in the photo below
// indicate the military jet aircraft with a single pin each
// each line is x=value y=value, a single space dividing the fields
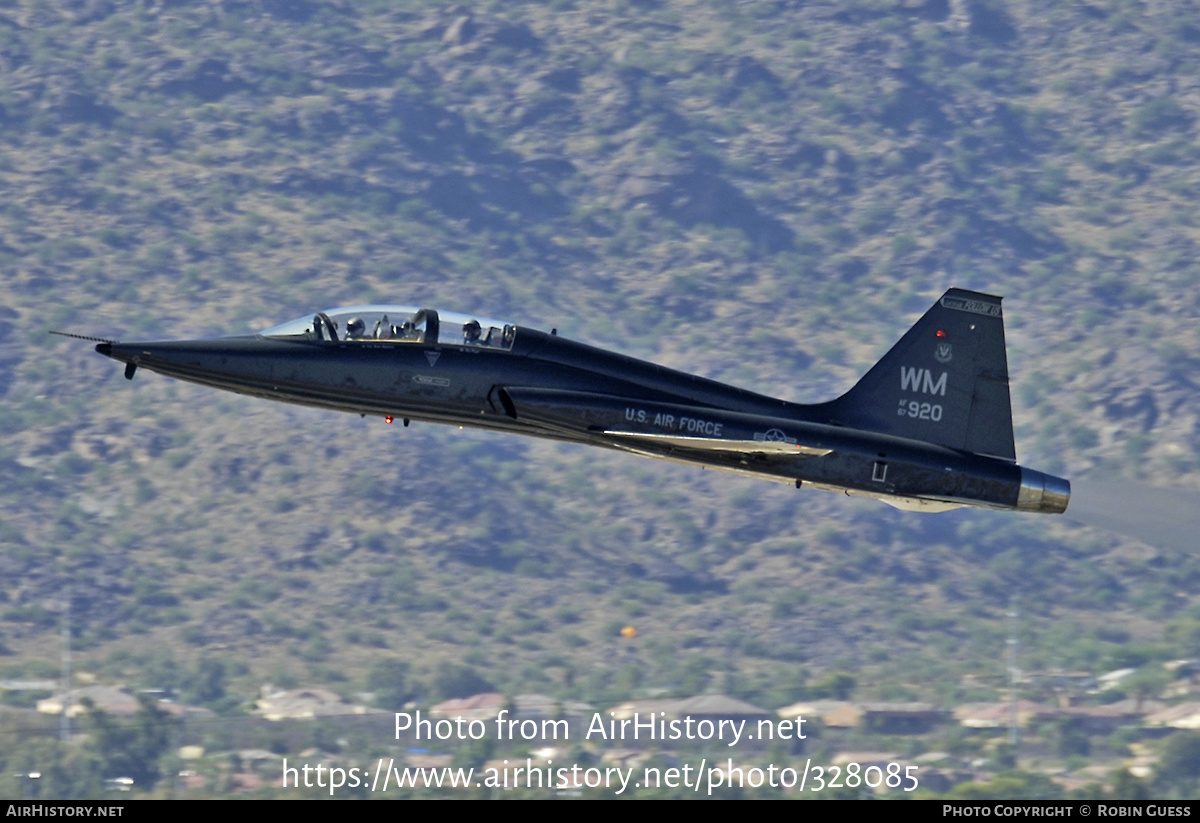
x=928 y=428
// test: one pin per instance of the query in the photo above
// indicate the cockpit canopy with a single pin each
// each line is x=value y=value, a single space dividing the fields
x=398 y=324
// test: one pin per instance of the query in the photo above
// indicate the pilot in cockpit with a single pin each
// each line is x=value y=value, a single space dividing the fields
x=355 y=328
x=471 y=332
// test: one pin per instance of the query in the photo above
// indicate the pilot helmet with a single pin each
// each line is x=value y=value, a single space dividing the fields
x=355 y=327
x=471 y=330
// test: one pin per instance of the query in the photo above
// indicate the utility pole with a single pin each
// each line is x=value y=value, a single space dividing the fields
x=1013 y=673
x=64 y=726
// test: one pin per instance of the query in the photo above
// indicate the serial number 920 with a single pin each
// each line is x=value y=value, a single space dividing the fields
x=921 y=411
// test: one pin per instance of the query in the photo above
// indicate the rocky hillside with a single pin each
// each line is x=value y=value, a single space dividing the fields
x=645 y=176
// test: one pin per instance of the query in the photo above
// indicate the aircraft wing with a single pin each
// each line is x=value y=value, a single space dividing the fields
x=786 y=446
x=646 y=426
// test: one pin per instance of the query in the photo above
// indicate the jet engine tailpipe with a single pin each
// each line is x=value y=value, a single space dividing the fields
x=1043 y=493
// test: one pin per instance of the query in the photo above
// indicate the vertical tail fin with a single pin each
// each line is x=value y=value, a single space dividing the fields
x=945 y=382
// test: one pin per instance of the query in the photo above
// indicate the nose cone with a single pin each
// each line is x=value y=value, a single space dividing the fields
x=125 y=352
x=118 y=352
x=1043 y=493
x=248 y=364
x=131 y=354
x=128 y=353
x=185 y=359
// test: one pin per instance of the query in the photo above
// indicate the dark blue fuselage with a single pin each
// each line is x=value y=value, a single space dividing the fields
x=546 y=386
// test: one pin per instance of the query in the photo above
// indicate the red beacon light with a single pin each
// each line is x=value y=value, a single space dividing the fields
x=941 y=333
